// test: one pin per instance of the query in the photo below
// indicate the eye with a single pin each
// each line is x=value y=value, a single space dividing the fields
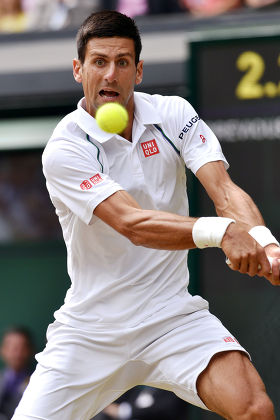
x=123 y=63
x=99 y=62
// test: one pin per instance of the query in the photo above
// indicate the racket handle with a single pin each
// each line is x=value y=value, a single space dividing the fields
x=270 y=259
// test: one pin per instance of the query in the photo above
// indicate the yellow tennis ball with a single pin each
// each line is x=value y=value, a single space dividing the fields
x=112 y=117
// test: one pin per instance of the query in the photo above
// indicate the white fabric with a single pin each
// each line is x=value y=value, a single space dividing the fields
x=80 y=373
x=113 y=281
x=263 y=236
x=209 y=231
x=128 y=317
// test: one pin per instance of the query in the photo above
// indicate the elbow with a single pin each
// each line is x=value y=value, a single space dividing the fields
x=136 y=239
x=132 y=231
x=224 y=200
x=132 y=235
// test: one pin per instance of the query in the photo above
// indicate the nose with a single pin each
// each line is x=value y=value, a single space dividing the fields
x=111 y=73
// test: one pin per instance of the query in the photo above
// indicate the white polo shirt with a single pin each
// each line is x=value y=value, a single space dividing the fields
x=112 y=280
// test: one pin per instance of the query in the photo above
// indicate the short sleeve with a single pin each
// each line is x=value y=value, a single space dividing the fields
x=199 y=145
x=75 y=177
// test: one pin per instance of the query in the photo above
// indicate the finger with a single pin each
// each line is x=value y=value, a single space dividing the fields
x=265 y=267
x=244 y=266
x=254 y=268
x=250 y=266
x=275 y=272
x=233 y=266
x=274 y=281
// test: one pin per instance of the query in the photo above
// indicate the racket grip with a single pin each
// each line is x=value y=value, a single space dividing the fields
x=270 y=259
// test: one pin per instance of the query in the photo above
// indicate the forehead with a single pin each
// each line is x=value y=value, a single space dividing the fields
x=112 y=46
x=14 y=337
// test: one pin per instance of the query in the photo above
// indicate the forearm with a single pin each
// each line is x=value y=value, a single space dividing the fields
x=163 y=230
x=229 y=199
x=149 y=228
x=238 y=205
x=160 y=230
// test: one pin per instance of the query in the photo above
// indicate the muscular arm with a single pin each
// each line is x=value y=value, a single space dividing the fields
x=229 y=200
x=163 y=230
x=149 y=228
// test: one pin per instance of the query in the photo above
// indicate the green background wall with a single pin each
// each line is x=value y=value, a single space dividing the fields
x=33 y=284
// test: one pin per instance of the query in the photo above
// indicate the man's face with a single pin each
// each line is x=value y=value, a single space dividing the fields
x=108 y=73
x=16 y=351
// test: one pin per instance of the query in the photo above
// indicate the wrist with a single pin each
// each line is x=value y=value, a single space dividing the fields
x=208 y=232
x=263 y=236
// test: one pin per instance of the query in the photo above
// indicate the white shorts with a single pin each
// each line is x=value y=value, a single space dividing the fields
x=81 y=372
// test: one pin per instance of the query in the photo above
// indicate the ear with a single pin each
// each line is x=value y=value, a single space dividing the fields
x=139 y=72
x=77 y=70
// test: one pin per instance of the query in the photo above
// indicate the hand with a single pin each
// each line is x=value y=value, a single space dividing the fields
x=273 y=251
x=246 y=255
x=112 y=410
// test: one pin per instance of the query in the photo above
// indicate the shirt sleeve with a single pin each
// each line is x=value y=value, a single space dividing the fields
x=75 y=177
x=199 y=145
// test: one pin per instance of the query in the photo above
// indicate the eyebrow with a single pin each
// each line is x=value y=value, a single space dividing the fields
x=100 y=54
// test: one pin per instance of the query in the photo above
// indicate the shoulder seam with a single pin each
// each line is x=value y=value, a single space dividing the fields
x=167 y=139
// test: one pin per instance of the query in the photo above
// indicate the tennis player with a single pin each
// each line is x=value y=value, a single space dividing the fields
x=121 y=200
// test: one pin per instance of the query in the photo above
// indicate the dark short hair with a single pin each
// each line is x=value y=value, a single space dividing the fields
x=108 y=23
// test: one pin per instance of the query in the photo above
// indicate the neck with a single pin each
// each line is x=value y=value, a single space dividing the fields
x=127 y=134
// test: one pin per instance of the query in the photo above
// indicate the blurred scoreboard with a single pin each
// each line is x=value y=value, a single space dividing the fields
x=235 y=86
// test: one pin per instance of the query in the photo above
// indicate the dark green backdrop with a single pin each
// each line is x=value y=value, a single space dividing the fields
x=33 y=284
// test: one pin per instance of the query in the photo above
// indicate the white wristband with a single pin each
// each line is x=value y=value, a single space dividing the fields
x=209 y=231
x=263 y=236
x=124 y=411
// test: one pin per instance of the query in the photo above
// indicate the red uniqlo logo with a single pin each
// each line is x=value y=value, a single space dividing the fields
x=86 y=185
x=95 y=179
x=150 y=148
x=230 y=340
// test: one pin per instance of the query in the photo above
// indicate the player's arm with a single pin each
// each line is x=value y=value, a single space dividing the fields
x=149 y=228
x=231 y=201
x=163 y=230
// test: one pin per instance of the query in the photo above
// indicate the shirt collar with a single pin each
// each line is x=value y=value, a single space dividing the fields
x=89 y=125
x=145 y=114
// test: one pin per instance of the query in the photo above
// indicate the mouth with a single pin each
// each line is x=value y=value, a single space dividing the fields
x=109 y=94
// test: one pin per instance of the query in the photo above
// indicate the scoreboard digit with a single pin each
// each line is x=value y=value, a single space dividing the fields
x=237 y=79
x=250 y=86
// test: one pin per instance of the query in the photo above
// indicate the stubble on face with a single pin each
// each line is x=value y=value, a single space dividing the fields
x=109 y=73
